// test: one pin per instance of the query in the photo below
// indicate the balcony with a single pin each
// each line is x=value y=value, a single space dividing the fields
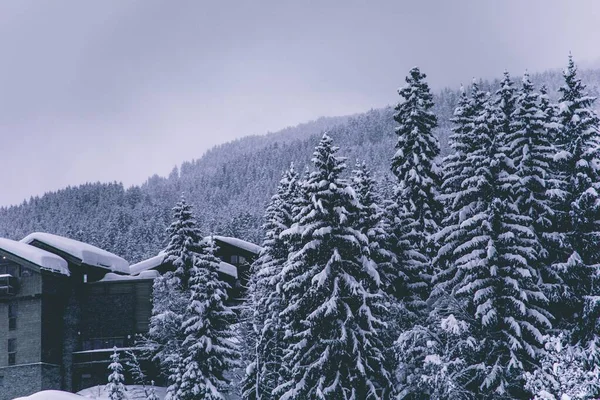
x=9 y=285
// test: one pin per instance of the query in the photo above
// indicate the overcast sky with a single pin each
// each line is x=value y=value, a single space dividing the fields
x=120 y=90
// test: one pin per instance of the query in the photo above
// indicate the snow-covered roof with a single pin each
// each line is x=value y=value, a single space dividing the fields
x=242 y=244
x=228 y=269
x=111 y=277
x=145 y=265
x=158 y=260
x=42 y=258
x=87 y=253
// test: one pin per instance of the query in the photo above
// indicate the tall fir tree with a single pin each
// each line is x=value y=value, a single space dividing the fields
x=458 y=168
x=209 y=348
x=115 y=388
x=184 y=237
x=330 y=286
x=372 y=222
x=490 y=250
x=417 y=211
x=170 y=293
x=264 y=373
x=529 y=147
x=576 y=163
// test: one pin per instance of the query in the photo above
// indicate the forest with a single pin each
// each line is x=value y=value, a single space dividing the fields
x=230 y=185
x=467 y=274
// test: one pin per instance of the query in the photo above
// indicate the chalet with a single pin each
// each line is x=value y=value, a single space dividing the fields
x=67 y=304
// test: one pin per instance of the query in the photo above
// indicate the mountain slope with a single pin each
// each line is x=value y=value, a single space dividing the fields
x=229 y=185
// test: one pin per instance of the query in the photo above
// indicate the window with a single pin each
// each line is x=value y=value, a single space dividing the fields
x=1 y=380
x=238 y=260
x=13 y=310
x=12 y=351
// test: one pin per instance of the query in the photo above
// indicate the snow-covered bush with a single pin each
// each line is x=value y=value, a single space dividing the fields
x=565 y=373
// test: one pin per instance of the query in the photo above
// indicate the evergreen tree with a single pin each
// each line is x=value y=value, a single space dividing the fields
x=332 y=296
x=417 y=211
x=505 y=103
x=490 y=252
x=152 y=395
x=529 y=146
x=458 y=168
x=184 y=237
x=208 y=349
x=115 y=387
x=578 y=208
x=170 y=293
x=264 y=372
x=372 y=222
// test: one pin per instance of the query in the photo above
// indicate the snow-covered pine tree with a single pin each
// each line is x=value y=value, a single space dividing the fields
x=417 y=211
x=152 y=392
x=457 y=168
x=115 y=388
x=184 y=237
x=332 y=296
x=505 y=102
x=170 y=294
x=264 y=372
x=372 y=222
x=578 y=209
x=565 y=372
x=529 y=146
x=209 y=349
x=490 y=250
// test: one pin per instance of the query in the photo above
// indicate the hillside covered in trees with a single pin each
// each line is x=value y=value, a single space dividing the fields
x=230 y=184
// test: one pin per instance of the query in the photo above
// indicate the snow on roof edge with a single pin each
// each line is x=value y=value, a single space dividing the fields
x=42 y=258
x=242 y=244
x=87 y=253
x=159 y=259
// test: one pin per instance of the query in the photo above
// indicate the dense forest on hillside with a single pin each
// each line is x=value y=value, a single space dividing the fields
x=229 y=185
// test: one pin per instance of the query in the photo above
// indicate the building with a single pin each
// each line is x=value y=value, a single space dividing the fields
x=64 y=306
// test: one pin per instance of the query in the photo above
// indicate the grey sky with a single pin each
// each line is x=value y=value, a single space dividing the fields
x=120 y=90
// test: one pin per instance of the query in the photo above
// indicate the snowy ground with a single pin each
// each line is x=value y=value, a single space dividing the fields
x=96 y=392
x=133 y=392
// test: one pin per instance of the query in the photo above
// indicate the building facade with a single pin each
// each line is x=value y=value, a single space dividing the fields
x=65 y=305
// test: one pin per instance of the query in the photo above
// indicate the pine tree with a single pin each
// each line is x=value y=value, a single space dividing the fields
x=170 y=295
x=490 y=251
x=264 y=372
x=115 y=387
x=578 y=208
x=529 y=146
x=332 y=296
x=152 y=395
x=372 y=223
x=184 y=237
x=457 y=168
x=504 y=107
x=417 y=211
x=208 y=349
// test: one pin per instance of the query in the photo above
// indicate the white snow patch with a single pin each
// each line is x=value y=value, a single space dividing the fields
x=43 y=259
x=154 y=262
x=242 y=244
x=148 y=264
x=134 y=392
x=111 y=276
x=87 y=253
x=51 y=395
